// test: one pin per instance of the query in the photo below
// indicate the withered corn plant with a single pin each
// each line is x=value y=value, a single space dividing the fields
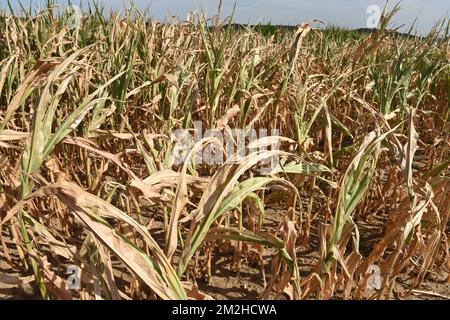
x=89 y=178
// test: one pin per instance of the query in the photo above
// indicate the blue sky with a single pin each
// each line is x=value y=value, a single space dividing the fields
x=346 y=13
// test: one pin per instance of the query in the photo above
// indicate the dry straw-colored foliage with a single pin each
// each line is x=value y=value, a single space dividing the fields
x=88 y=178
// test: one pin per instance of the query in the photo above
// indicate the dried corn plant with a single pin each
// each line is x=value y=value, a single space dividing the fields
x=89 y=182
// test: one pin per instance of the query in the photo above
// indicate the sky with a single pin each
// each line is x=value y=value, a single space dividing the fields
x=344 y=13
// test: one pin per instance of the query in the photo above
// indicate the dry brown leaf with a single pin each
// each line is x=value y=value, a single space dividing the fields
x=86 y=144
x=222 y=122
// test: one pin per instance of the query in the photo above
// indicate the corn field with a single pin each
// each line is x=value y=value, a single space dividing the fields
x=88 y=179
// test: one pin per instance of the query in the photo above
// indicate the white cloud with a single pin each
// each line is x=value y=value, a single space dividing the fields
x=346 y=13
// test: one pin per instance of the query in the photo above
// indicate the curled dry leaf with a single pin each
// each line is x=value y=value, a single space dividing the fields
x=222 y=122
